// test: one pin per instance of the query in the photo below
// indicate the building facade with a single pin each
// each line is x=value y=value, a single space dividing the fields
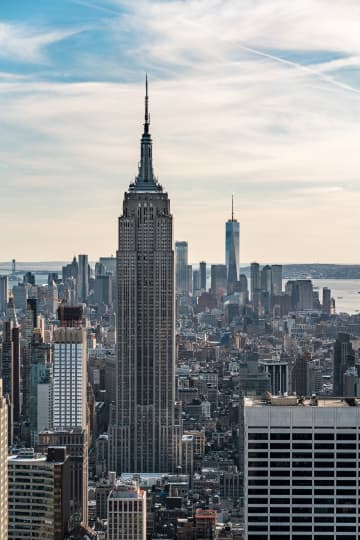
x=69 y=393
x=181 y=267
x=301 y=472
x=38 y=495
x=126 y=513
x=3 y=466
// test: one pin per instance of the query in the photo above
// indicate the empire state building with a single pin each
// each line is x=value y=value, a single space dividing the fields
x=144 y=433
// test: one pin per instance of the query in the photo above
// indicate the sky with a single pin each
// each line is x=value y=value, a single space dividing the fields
x=256 y=98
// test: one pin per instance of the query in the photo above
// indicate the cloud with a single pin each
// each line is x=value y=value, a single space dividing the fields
x=24 y=43
x=246 y=97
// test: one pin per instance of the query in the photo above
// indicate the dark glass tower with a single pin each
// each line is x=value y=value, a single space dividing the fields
x=144 y=434
x=232 y=246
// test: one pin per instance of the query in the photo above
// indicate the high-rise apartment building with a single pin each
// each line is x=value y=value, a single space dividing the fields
x=232 y=248
x=181 y=267
x=144 y=437
x=301 y=469
x=70 y=371
x=77 y=447
x=38 y=494
x=3 y=466
x=83 y=278
x=127 y=513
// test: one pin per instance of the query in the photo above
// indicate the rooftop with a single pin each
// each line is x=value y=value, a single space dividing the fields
x=291 y=401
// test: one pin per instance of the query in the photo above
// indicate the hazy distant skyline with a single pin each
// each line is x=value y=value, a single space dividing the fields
x=260 y=99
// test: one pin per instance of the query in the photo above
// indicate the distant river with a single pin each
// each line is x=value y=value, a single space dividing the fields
x=345 y=292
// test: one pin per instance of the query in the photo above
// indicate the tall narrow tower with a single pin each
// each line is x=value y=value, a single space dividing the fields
x=232 y=240
x=143 y=437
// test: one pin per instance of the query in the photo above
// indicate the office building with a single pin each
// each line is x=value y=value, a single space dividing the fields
x=145 y=437
x=276 y=277
x=203 y=276
x=299 y=374
x=266 y=279
x=127 y=513
x=77 y=447
x=326 y=300
x=20 y=295
x=218 y=279
x=3 y=466
x=255 y=286
x=196 y=283
x=301 y=469
x=344 y=358
x=10 y=367
x=29 y=322
x=70 y=370
x=181 y=267
x=83 y=279
x=232 y=247
x=4 y=293
x=301 y=294
x=109 y=264
x=103 y=289
x=38 y=494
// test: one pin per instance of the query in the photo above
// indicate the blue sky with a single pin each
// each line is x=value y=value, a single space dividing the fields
x=256 y=98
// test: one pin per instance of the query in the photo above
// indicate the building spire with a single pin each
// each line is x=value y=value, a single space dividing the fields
x=232 y=207
x=147 y=115
x=145 y=180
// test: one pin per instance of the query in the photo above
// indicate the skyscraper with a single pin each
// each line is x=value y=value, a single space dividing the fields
x=145 y=412
x=203 y=279
x=344 y=358
x=181 y=266
x=83 y=278
x=4 y=292
x=232 y=246
x=10 y=367
x=3 y=466
x=254 y=280
x=276 y=275
x=70 y=381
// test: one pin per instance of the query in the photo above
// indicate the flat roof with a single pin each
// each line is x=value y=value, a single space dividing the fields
x=291 y=401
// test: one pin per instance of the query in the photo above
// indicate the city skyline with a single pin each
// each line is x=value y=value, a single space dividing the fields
x=68 y=113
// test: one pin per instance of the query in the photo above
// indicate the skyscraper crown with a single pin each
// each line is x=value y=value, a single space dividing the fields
x=145 y=180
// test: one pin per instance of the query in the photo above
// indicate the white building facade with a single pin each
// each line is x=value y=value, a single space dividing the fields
x=301 y=469
x=69 y=392
x=127 y=513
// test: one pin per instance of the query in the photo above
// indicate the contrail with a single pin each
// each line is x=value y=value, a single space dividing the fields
x=301 y=67
x=95 y=6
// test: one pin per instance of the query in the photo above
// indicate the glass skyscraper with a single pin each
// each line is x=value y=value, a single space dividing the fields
x=232 y=248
